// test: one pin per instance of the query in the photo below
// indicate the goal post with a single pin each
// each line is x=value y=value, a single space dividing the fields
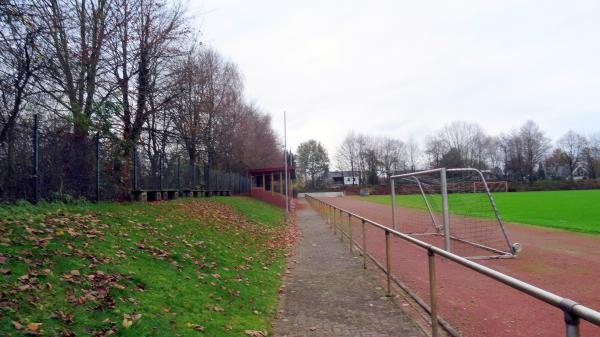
x=452 y=208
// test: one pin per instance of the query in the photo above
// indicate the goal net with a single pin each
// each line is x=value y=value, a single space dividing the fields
x=453 y=209
x=492 y=186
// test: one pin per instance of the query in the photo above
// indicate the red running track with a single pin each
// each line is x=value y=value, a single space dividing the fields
x=565 y=263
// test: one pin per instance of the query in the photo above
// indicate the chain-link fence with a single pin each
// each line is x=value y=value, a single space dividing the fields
x=43 y=160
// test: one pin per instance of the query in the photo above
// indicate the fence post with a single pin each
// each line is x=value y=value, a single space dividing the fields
x=193 y=177
x=160 y=170
x=98 y=167
x=364 y=245
x=444 y=186
x=388 y=263
x=36 y=145
x=432 y=293
x=178 y=174
x=206 y=177
x=135 y=168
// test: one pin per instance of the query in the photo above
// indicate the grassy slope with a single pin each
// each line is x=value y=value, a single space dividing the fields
x=184 y=265
x=570 y=210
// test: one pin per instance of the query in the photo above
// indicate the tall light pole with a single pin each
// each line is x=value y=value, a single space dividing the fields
x=285 y=156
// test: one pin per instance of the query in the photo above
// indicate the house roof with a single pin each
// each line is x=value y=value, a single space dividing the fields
x=271 y=169
x=342 y=173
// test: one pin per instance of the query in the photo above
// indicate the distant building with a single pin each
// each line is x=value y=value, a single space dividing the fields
x=563 y=172
x=268 y=184
x=337 y=179
x=580 y=173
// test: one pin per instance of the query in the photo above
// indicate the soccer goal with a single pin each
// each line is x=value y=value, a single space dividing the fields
x=492 y=186
x=453 y=209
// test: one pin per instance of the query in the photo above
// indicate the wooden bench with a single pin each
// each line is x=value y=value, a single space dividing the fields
x=191 y=193
x=169 y=194
x=155 y=195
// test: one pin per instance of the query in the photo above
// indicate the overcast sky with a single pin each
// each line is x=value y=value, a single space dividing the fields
x=406 y=68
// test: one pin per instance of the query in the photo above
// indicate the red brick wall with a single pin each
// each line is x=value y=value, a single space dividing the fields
x=275 y=198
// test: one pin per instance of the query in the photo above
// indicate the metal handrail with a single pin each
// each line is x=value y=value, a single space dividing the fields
x=572 y=310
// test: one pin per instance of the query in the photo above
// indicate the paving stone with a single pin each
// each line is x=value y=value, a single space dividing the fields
x=328 y=294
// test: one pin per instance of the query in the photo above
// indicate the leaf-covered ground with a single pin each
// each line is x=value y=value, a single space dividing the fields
x=180 y=268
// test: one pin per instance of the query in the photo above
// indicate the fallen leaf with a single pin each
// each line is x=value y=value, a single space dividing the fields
x=255 y=333
x=196 y=327
x=126 y=323
x=17 y=325
x=34 y=327
x=5 y=271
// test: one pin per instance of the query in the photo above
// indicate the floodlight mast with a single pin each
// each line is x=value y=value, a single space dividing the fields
x=287 y=203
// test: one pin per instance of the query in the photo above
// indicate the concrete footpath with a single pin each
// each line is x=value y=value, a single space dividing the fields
x=327 y=292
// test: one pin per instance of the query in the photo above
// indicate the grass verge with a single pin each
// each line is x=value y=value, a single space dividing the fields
x=177 y=268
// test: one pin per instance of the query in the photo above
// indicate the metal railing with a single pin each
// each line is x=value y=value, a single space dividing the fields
x=572 y=310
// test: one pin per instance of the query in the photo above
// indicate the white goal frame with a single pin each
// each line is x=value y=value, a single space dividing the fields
x=503 y=184
x=443 y=229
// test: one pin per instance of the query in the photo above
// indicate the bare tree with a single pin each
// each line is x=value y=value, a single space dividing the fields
x=592 y=155
x=18 y=65
x=459 y=144
x=572 y=146
x=535 y=145
x=347 y=154
x=74 y=39
x=413 y=153
x=148 y=38
x=392 y=155
x=18 y=36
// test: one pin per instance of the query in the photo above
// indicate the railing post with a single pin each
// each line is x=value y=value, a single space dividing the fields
x=341 y=227
x=572 y=324
x=350 y=232
x=394 y=210
x=432 y=294
x=388 y=263
x=364 y=245
x=571 y=320
x=334 y=230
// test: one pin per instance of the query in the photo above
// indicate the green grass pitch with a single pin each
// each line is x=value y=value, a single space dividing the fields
x=569 y=210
